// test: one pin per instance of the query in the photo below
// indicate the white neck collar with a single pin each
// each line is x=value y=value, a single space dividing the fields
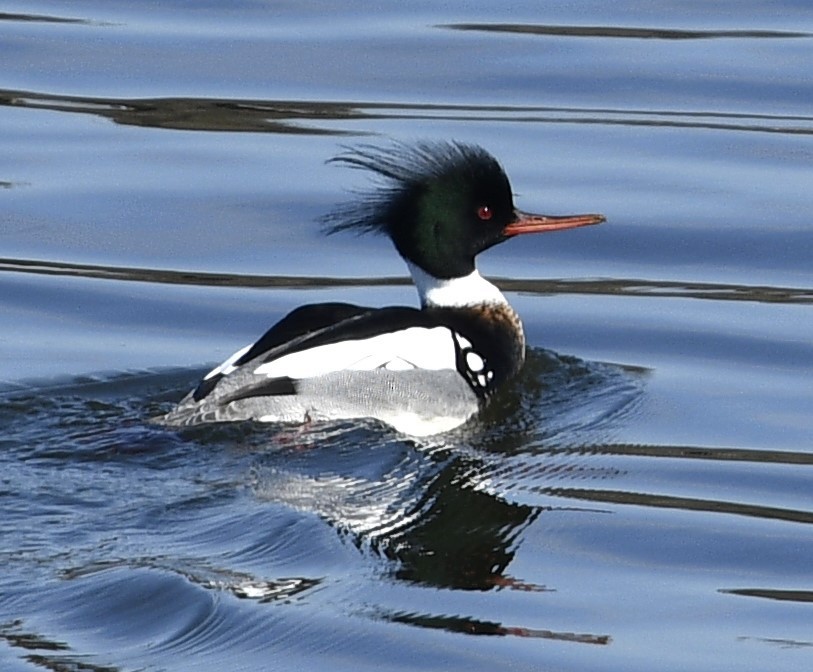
x=470 y=290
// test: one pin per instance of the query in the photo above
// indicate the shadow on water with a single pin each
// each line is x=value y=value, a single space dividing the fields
x=316 y=117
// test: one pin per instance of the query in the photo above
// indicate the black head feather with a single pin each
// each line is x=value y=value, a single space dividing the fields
x=427 y=201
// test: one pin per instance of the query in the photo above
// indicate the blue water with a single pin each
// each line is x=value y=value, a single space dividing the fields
x=639 y=499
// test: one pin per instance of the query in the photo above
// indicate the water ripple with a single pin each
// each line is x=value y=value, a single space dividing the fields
x=772 y=594
x=472 y=626
x=624 y=32
x=318 y=117
x=43 y=18
x=609 y=286
x=657 y=500
x=241 y=516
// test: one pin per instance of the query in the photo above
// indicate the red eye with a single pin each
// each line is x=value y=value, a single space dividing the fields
x=484 y=212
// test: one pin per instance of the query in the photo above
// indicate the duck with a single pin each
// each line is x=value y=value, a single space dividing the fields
x=420 y=370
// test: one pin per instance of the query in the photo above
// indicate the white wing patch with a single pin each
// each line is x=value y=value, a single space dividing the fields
x=228 y=366
x=462 y=341
x=413 y=348
x=474 y=362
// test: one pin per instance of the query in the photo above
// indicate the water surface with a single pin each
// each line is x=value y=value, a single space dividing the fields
x=639 y=499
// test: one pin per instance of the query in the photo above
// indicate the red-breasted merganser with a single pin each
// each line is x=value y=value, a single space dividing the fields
x=422 y=371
